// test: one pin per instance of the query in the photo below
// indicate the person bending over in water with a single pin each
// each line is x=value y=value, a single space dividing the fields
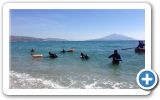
x=52 y=55
x=115 y=57
x=141 y=44
x=84 y=56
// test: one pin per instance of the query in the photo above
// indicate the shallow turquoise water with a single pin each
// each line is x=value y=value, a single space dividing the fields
x=69 y=71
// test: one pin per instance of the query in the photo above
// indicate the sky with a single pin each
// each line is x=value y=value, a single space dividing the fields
x=77 y=24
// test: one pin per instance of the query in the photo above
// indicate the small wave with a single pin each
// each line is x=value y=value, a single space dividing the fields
x=109 y=85
x=26 y=81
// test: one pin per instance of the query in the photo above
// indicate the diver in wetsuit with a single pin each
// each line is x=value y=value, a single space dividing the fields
x=82 y=55
x=52 y=55
x=141 y=44
x=115 y=57
x=32 y=51
x=86 y=57
x=63 y=51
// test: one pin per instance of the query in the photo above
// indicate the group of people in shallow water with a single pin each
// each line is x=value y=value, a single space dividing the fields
x=116 y=58
x=54 y=55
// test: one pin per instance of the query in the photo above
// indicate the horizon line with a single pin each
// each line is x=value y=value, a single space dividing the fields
x=132 y=39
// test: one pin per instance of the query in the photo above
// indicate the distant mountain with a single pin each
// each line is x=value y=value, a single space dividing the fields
x=24 y=39
x=113 y=37
x=32 y=39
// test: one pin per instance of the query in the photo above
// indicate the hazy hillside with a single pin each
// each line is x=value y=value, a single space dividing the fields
x=113 y=37
x=32 y=39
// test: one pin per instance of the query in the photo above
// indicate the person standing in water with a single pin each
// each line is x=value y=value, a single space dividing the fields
x=115 y=57
x=82 y=55
x=32 y=51
x=63 y=51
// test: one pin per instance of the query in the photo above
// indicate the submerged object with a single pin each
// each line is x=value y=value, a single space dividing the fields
x=37 y=55
x=139 y=50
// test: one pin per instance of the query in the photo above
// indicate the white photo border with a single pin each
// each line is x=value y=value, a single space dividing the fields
x=6 y=54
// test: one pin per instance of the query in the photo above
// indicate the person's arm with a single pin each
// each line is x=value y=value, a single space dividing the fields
x=110 y=56
x=138 y=46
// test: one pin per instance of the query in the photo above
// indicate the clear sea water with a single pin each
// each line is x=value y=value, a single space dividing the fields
x=68 y=71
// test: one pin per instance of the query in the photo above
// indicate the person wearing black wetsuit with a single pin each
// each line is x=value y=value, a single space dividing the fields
x=52 y=55
x=141 y=44
x=63 y=51
x=115 y=57
x=82 y=55
x=32 y=51
x=86 y=57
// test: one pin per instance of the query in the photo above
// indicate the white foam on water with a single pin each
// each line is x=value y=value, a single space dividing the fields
x=119 y=85
x=26 y=81
x=91 y=86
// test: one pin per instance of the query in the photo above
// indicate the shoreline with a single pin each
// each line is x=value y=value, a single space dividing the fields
x=26 y=81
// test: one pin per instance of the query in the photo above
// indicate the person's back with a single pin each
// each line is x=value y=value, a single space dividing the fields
x=141 y=44
x=63 y=51
x=115 y=57
x=52 y=55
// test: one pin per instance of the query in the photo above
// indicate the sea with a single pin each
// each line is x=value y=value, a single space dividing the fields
x=69 y=71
